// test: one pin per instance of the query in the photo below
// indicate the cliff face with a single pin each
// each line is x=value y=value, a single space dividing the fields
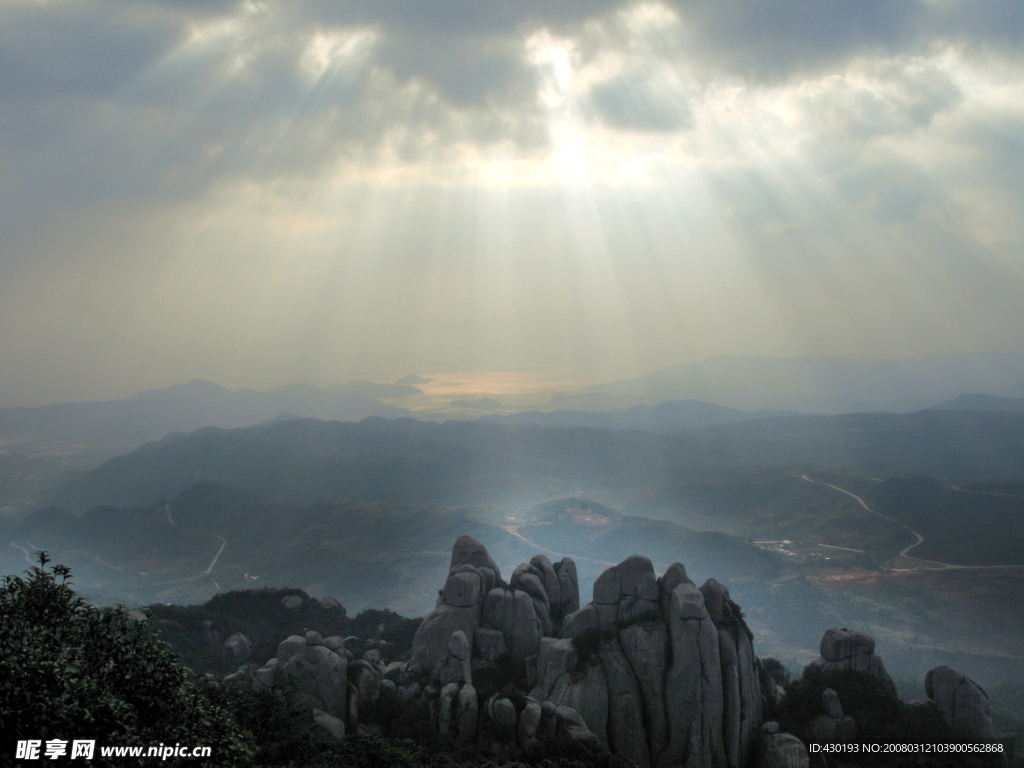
x=657 y=670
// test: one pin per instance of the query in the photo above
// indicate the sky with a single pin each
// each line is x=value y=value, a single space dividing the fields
x=258 y=193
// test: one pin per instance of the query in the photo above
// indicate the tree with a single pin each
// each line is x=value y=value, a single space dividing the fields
x=71 y=671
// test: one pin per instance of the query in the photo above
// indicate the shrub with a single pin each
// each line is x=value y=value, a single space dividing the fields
x=70 y=671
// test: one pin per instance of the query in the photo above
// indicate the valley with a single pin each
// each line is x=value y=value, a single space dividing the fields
x=366 y=512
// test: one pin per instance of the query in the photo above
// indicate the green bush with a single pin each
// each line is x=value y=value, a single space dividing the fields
x=70 y=671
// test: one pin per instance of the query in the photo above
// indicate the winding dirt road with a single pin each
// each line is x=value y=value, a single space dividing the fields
x=919 y=539
x=987 y=493
x=213 y=562
x=24 y=552
x=512 y=529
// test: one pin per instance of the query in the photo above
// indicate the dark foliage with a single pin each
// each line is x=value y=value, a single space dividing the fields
x=880 y=717
x=285 y=739
x=196 y=632
x=69 y=671
x=386 y=625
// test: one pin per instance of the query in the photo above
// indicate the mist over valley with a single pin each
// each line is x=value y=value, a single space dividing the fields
x=811 y=520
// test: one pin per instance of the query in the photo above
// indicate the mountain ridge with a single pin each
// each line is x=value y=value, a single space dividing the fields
x=462 y=462
x=818 y=383
x=186 y=407
x=669 y=416
x=974 y=402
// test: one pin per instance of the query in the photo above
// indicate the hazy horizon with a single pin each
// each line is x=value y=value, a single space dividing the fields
x=259 y=193
x=431 y=394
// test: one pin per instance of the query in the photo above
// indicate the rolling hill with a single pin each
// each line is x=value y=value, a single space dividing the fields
x=406 y=461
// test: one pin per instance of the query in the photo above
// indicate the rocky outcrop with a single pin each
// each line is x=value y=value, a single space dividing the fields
x=519 y=617
x=776 y=670
x=236 y=648
x=626 y=732
x=741 y=677
x=662 y=672
x=849 y=650
x=458 y=609
x=469 y=551
x=831 y=726
x=964 y=704
x=497 y=618
x=585 y=690
x=782 y=750
x=456 y=668
x=323 y=677
x=331 y=604
x=693 y=686
x=654 y=670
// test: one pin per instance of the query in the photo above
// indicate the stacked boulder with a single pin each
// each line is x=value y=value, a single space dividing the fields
x=321 y=675
x=498 y=618
x=848 y=650
x=781 y=750
x=831 y=726
x=654 y=670
x=236 y=648
x=456 y=707
x=663 y=673
x=479 y=621
x=964 y=704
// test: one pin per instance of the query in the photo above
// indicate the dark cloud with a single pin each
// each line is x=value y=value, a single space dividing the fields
x=84 y=51
x=458 y=17
x=772 y=39
x=471 y=51
x=776 y=39
x=164 y=99
x=995 y=22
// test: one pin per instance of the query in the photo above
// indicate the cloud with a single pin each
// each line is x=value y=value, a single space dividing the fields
x=156 y=99
x=361 y=188
x=893 y=95
x=773 y=39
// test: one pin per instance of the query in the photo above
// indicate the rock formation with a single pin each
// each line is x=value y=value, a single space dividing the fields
x=776 y=670
x=963 y=702
x=654 y=669
x=292 y=602
x=831 y=726
x=848 y=650
x=237 y=647
x=782 y=750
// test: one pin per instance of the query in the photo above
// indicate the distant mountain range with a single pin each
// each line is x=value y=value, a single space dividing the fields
x=717 y=391
x=664 y=417
x=981 y=403
x=814 y=383
x=152 y=414
x=407 y=461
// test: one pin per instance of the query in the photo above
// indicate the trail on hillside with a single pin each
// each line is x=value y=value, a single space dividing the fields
x=213 y=562
x=987 y=493
x=24 y=552
x=929 y=564
x=512 y=529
